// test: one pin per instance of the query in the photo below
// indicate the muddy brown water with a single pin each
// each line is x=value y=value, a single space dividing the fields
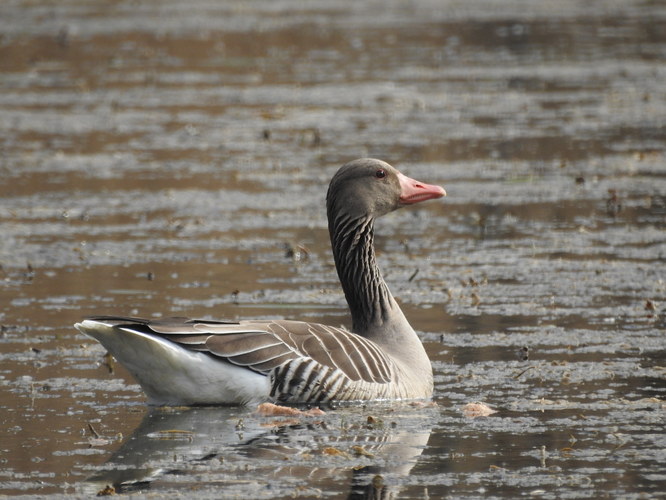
x=173 y=157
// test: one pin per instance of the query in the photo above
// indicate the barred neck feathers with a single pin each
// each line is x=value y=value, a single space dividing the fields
x=368 y=296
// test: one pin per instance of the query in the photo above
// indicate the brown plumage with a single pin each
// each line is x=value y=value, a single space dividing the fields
x=184 y=361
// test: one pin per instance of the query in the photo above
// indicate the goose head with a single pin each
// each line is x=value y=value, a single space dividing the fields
x=371 y=188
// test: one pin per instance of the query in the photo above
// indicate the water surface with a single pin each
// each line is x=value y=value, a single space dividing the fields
x=169 y=158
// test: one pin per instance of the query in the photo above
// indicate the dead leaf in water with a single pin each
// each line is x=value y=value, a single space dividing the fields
x=108 y=490
x=473 y=410
x=271 y=410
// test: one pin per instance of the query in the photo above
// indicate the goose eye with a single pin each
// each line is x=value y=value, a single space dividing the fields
x=380 y=174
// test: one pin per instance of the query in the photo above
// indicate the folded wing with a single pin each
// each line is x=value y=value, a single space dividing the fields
x=263 y=346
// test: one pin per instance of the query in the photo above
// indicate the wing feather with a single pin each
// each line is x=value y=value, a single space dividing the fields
x=263 y=346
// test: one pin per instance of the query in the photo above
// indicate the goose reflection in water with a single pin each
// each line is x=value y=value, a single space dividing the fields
x=233 y=452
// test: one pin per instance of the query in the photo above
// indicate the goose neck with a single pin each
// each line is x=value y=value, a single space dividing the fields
x=371 y=304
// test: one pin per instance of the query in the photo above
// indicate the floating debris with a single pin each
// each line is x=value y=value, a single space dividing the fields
x=474 y=410
x=272 y=410
x=108 y=490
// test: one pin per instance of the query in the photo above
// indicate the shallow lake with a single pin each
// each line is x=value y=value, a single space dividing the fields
x=172 y=158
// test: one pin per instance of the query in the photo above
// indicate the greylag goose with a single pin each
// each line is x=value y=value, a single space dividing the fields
x=180 y=361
